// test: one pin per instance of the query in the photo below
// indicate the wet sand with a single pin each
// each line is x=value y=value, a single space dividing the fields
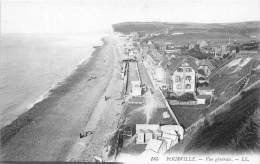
x=49 y=130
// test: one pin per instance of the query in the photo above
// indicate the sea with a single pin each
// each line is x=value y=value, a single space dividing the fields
x=33 y=64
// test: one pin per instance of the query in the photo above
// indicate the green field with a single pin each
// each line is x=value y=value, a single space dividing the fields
x=216 y=33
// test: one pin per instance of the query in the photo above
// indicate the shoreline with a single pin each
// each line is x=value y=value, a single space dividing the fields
x=55 y=68
x=50 y=95
x=105 y=117
x=50 y=130
x=55 y=85
x=63 y=113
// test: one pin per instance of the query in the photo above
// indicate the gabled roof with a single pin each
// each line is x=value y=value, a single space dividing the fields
x=177 y=62
x=149 y=42
x=145 y=127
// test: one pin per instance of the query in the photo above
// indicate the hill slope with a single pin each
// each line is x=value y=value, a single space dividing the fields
x=235 y=130
x=242 y=28
x=234 y=75
x=236 y=125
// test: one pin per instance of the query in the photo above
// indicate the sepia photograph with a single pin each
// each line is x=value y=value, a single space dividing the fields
x=130 y=81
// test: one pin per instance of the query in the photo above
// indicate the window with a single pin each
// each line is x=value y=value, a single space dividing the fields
x=188 y=86
x=188 y=78
x=179 y=86
x=177 y=79
x=188 y=69
x=180 y=70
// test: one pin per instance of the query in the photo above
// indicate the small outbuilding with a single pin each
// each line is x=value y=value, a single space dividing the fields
x=157 y=146
x=136 y=88
x=145 y=132
x=205 y=91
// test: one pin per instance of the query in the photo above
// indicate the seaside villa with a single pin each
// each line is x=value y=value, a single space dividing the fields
x=183 y=76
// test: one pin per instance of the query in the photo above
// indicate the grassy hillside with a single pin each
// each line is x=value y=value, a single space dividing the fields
x=213 y=38
x=235 y=130
x=233 y=75
x=128 y=27
x=215 y=34
x=242 y=28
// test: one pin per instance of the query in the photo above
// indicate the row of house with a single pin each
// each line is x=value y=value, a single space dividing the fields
x=220 y=51
x=216 y=51
x=180 y=74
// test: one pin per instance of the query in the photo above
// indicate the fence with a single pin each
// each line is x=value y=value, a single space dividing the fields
x=176 y=102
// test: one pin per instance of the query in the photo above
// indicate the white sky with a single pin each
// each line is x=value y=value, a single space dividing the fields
x=90 y=15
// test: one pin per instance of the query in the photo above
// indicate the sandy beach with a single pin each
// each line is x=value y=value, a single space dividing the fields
x=50 y=130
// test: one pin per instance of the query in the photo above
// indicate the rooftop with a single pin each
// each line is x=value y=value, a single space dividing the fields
x=144 y=127
x=177 y=62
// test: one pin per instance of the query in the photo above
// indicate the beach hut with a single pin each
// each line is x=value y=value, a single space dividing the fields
x=145 y=132
x=140 y=137
x=157 y=146
x=173 y=130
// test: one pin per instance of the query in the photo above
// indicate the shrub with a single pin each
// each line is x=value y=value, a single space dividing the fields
x=184 y=97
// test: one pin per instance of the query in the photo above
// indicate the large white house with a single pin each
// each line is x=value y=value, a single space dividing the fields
x=183 y=72
x=184 y=79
